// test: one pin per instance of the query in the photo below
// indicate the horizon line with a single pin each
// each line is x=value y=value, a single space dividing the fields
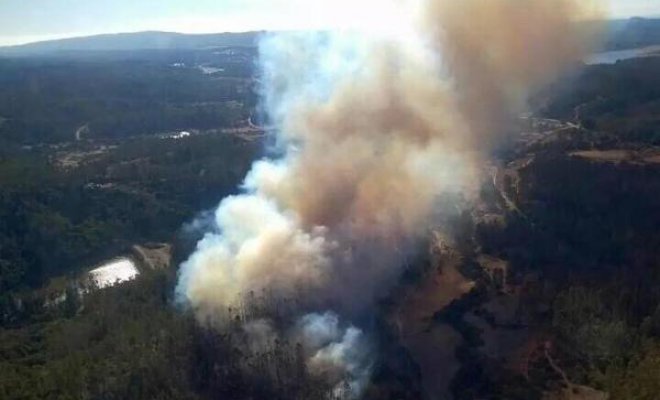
x=17 y=41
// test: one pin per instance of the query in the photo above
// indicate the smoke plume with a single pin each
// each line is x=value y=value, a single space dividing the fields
x=378 y=133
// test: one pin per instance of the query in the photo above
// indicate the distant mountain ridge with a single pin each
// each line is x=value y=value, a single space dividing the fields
x=620 y=34
x=632 y=33
x=149 y=40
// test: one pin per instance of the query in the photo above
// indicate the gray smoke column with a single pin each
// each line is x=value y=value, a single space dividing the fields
x=375 y=130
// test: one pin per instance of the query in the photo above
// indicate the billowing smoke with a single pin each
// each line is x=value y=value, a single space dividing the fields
x=378 y=133
x=339 y=355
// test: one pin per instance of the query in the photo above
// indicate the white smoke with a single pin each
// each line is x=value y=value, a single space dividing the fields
x=340 y=355
x=374 y=133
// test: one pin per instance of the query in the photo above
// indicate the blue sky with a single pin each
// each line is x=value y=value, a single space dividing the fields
x=29 y=20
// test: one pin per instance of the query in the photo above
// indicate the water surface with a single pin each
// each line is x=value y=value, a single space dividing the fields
x=611 y=57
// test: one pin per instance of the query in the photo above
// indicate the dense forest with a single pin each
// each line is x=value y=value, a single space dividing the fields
x=90 y=160
x=56 y=221
x=50 y=99
x=581 y=247
x=621 y=100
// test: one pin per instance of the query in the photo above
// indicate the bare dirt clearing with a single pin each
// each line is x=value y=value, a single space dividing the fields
x=432 y=345
x=638 y=157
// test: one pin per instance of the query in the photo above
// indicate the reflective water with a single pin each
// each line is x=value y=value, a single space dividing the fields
x=611 y=57
x=114 y=272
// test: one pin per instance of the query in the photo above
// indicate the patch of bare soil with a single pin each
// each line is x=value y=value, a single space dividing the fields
x=430 y=344
x=570 y=391
x=75 y=158
x=576 y=392
x=154 y=255
x=639 y=157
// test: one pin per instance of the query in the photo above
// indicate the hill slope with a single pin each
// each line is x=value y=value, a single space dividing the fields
x=151 y=40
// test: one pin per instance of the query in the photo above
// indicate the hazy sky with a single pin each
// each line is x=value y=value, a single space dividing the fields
x=28 y=20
